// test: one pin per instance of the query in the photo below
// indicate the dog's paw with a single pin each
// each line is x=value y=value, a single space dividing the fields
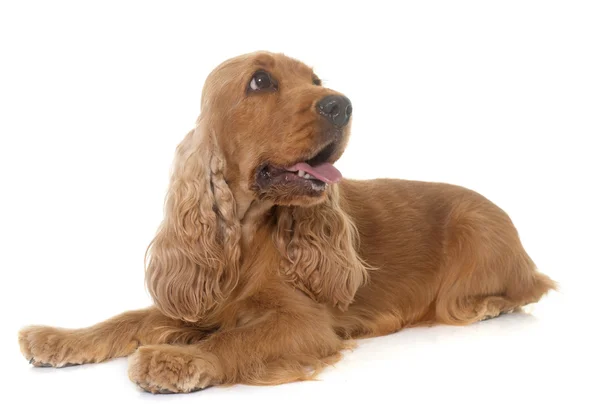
x=170 y=369
x=49 y=347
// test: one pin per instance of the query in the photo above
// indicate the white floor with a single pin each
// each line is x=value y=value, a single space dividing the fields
x=519 y=362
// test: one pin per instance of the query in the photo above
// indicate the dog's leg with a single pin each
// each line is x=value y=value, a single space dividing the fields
x=486 y=271
x=280 y=346
x=116 y=337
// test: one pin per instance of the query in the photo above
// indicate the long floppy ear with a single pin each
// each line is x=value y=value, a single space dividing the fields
x=192 y=263
x=319 y=245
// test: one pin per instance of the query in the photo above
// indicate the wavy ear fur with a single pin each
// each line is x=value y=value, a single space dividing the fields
x=319 y=246
x=193 y=262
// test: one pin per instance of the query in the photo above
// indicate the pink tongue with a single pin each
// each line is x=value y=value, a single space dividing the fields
x=325 y=172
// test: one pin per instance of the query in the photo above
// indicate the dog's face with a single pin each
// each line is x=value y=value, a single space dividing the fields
x=279 y=129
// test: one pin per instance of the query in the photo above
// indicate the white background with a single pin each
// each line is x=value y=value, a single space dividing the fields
x=502 y=97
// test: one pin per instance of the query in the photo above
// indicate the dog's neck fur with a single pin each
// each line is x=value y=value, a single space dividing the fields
x=251 y=217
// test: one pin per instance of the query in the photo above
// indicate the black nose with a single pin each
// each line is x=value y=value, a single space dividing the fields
x=337 y=109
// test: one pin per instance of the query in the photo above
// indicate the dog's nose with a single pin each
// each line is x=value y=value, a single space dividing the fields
x=337 y=109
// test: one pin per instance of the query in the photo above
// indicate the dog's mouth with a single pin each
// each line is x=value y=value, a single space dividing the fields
x=309 y=175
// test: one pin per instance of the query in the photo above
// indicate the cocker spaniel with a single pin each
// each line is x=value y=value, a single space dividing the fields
x=268 y=263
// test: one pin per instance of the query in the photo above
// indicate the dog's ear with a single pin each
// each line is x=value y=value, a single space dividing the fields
x=192 y=263
x=319 y=249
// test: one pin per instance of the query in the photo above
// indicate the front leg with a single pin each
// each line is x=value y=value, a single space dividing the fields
x=116 y=337
x=278 y=346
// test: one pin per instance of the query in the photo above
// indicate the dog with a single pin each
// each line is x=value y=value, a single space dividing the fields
x=268 y=263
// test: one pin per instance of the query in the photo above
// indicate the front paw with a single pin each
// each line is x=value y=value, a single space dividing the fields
x=49 y=347
x=171 y=369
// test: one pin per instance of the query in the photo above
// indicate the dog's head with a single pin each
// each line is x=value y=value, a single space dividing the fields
x=268 y=134
x=278 y=128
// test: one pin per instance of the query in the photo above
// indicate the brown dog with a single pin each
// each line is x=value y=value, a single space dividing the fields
x=267 y=261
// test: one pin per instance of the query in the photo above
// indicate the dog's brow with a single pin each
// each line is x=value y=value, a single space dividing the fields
x=265 y=61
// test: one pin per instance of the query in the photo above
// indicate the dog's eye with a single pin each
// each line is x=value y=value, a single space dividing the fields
x=316 y=81
x=261 y=81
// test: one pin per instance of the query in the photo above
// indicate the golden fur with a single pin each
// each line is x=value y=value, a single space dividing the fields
x=265 y=284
